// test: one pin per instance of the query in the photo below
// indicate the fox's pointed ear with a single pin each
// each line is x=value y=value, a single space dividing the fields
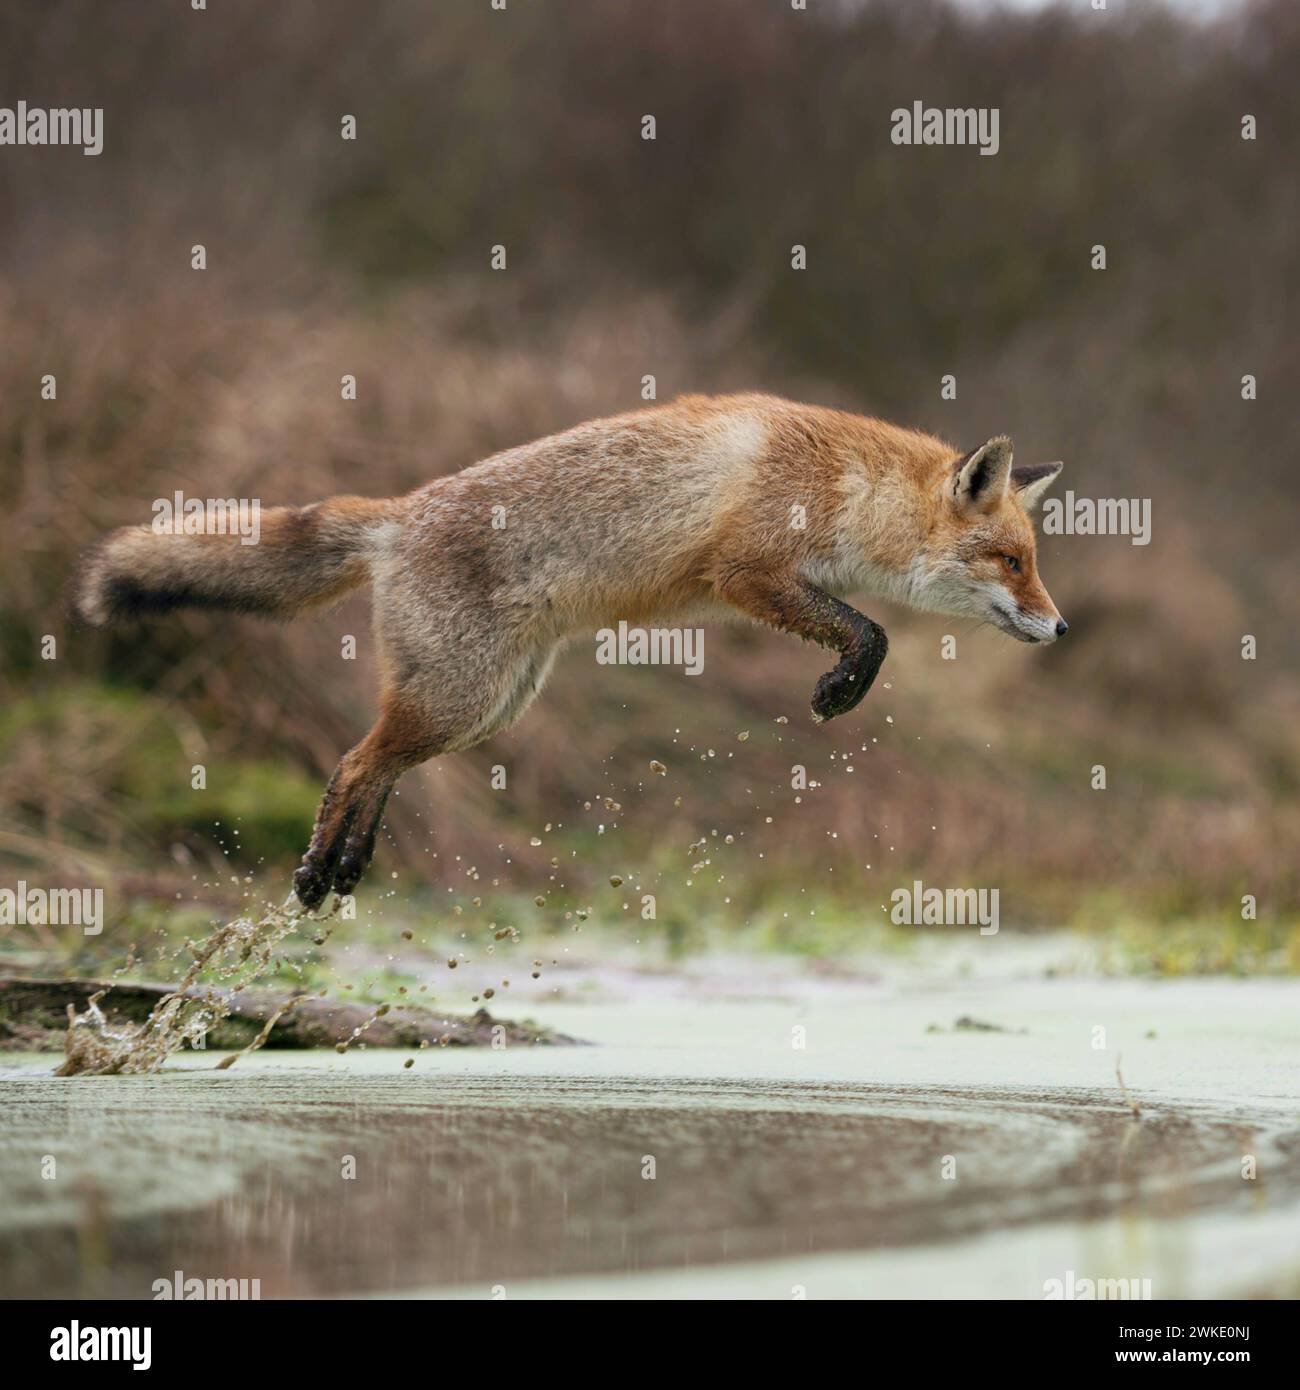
x=1030 y=482
x=980 y=479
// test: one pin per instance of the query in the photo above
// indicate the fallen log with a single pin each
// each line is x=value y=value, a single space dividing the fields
x=34 y=1017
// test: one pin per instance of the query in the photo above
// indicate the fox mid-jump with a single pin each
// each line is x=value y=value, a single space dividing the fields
x=708 y=506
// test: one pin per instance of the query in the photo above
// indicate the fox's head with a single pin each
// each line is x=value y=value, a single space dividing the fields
x=982 y=561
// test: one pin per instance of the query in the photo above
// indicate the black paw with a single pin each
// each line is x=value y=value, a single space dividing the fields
x=319 y=871
x=351 y=868
x=311 y=882
x=314 y=880
x=838 y=691
x=339 y=863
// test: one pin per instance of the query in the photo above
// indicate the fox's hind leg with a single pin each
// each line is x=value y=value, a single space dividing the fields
x=426 y=714
x=347 y=821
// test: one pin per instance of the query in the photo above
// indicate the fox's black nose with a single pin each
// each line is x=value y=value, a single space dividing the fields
x=1062 y=627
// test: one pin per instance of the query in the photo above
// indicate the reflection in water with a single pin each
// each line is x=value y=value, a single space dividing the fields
x=320 y=1183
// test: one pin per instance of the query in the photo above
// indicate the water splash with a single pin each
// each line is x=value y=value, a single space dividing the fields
x=237 y=953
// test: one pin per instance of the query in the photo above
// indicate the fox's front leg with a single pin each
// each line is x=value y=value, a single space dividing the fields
x=789 y=602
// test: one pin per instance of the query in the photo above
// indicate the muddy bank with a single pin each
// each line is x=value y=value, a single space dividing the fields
x=34 y=1017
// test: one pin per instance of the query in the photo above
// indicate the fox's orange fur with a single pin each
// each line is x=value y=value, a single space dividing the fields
x=706 y=507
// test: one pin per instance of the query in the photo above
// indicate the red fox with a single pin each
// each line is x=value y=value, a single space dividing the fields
x=707 y=507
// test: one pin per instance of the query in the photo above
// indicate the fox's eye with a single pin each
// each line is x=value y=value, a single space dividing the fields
x=1011 y=562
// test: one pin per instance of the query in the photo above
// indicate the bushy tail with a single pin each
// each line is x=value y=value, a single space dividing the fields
x=301 y=558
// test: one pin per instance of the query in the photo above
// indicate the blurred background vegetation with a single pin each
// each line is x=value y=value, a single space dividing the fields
x=671 y=257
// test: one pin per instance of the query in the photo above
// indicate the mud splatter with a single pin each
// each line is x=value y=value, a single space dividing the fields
x=227 y=1062
x=239 y=952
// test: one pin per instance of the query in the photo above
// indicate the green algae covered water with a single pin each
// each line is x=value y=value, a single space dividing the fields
x=839 y=1138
